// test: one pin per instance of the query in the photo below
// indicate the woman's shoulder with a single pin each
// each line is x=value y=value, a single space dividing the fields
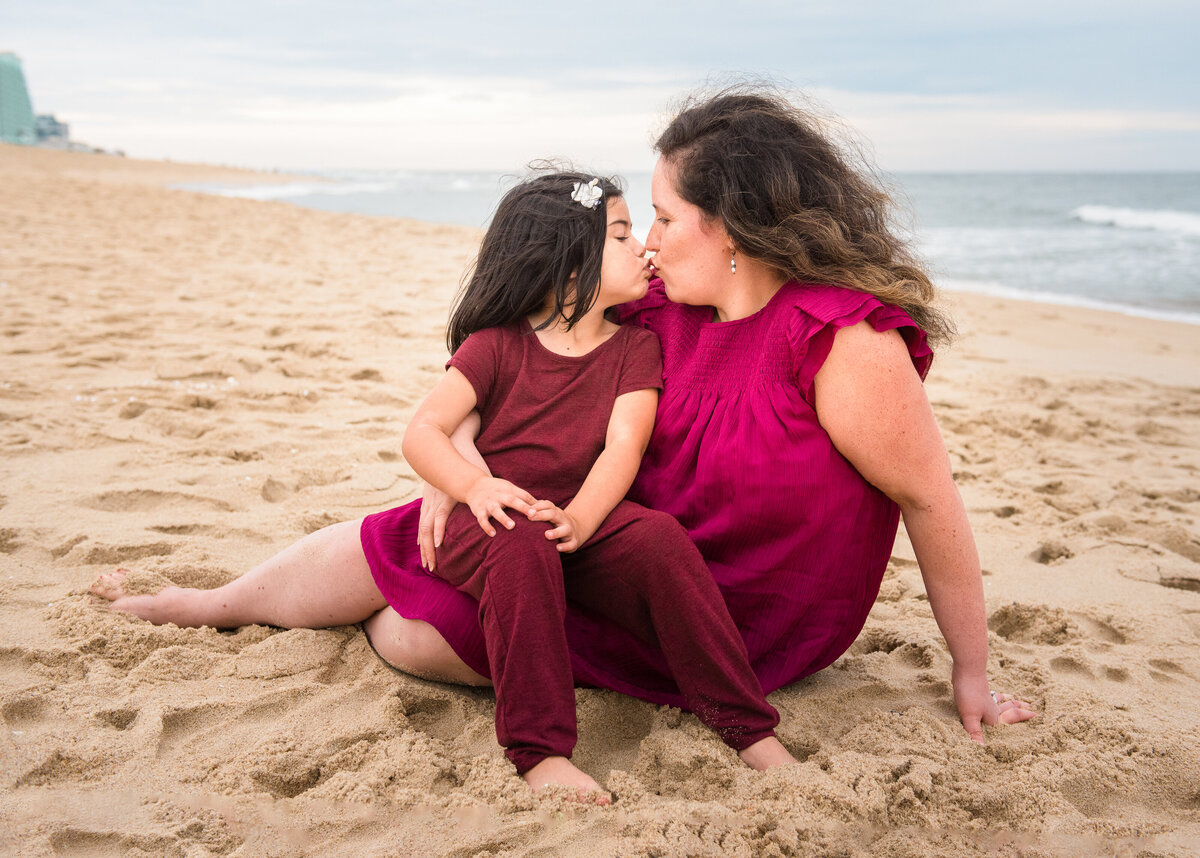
x=825 y=303
x=814 y=306
x=816 y=312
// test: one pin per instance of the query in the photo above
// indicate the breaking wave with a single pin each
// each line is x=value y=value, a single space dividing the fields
x=1161 y=220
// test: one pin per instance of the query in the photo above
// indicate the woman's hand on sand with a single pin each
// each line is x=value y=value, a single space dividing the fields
x=488 y=497
x=436 y=507
x=566 y=530
x=978 y=704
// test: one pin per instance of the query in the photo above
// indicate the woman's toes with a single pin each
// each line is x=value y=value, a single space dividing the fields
x=110 y=585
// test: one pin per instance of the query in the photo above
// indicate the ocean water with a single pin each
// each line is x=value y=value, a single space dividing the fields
x=1128 y=242
x=1123 y=241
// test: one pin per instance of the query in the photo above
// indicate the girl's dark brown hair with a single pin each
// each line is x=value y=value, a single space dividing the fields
x=790 y=198
x=541 y=242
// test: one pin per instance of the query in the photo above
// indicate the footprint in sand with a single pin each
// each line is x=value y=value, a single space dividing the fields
x=23 y=708
x=1050 y=552
x=1181 y=582
x=121 y=718
x=1072 y=666
x=8 y=540
x=72 y=841
x=132 y=409
x=915 y=653
x=1035 y=624
x=1165 y=670
x=1180 y=541
x=149 y=500
x=276 y=491
x=109 y=555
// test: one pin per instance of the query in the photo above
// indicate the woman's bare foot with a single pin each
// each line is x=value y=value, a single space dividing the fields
x=561 y=772
x=766 y=753
x=169 y=605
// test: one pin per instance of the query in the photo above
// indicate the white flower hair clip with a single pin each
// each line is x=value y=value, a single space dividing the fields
x=588 y=195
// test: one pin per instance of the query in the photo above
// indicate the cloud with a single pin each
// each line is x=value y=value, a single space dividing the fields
x=916 y=132
x=295 y=84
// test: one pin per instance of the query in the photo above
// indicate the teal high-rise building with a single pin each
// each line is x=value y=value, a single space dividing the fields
x=16 y=112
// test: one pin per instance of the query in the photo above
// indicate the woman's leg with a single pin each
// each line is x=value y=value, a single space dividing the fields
x=416 y=647
x=319 y=581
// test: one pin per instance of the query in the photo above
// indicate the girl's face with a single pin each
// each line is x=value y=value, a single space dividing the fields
x=624 y=271
x=691 y=251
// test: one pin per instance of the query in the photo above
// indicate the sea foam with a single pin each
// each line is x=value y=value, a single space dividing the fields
x=1063 y=299
x=1160 y=220
x=290 y=190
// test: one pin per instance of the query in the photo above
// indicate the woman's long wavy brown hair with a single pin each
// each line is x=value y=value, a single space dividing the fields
x=789 y=197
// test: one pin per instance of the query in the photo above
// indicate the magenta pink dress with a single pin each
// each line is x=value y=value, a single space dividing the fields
x=796 y=539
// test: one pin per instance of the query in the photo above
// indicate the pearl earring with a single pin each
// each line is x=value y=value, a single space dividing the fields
x=732 y=261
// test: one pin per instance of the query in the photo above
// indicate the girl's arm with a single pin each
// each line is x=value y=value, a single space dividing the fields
x=429 y=451
x=611 y=475
x=870 y=400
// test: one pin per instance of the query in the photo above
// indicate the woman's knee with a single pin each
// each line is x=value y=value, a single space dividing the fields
x=417 y=648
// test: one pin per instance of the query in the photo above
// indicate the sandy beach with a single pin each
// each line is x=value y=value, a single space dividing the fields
x=190 y=383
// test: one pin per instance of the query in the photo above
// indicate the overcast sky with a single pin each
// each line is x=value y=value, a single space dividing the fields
x=454 y=84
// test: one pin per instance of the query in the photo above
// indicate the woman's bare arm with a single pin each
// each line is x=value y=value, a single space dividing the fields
x=870 y=400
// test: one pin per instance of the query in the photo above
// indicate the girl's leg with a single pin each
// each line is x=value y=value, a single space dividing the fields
x=642 y=571
x=517 y=578
x=319 y=581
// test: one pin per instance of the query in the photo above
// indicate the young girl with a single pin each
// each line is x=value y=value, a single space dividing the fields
x=566 y=400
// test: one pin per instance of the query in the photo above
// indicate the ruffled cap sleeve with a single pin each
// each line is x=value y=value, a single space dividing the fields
x=822 y=311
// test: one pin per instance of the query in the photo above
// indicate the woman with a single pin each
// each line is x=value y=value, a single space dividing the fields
x=793 y=430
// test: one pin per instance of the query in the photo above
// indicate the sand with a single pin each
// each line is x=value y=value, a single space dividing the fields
x=190 y=383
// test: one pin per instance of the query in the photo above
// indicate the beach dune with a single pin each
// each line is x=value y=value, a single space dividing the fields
x=192 y=382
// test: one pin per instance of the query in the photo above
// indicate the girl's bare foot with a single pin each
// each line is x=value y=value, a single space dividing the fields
x=169 y=605
x=561 y=772
x=766 y=753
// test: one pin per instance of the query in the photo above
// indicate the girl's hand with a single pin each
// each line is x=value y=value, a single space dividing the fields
x=436 y=507
x=566 y=530
x=978 y=704
x=488 y=498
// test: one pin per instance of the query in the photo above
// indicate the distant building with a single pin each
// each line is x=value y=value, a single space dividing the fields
x=17 y=124
x=50 y=129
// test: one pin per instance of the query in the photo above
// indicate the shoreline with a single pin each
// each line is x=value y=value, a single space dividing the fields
x=293 y=193
x=195 y=381
x=1064 y=300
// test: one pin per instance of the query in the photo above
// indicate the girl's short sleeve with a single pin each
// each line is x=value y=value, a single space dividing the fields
x=478 y=358
x=642 y=365
x=822 y=311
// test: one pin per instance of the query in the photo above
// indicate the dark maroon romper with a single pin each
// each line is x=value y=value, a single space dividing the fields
x=544 y=421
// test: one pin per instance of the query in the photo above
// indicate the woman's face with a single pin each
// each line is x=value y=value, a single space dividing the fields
x=691 y=251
